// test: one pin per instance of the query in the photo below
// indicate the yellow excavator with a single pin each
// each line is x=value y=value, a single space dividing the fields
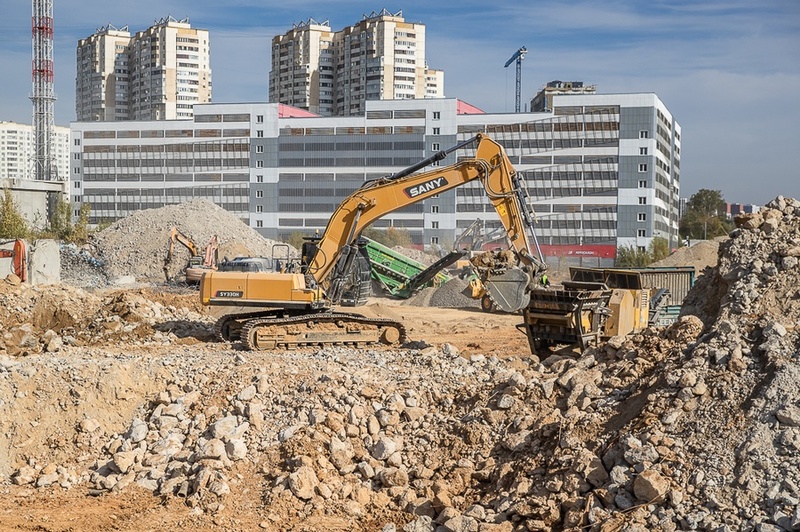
x=198 y=262
x=296 y=307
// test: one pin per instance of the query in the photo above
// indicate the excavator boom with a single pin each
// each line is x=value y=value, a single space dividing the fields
x=378 y=198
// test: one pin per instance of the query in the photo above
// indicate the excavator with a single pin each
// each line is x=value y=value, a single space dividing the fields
x=296 y=308
x=198 y=263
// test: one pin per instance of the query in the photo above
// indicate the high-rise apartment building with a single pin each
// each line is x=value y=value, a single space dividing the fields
x=17 y=150
x=156 y=74
x=382 y=57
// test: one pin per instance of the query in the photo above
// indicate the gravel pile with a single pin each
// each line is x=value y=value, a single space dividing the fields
x=137 y=245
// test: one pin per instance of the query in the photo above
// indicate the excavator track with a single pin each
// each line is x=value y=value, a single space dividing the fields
x=228 y=328
x=318 y=330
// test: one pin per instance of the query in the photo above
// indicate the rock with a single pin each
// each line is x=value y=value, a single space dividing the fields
x=420 y=524
x=303 y=483
x=384 y=448
x=225 y=428
x=24 y=475
x=236 y=449
x=650 y=486
x=461 y=523
x=138 y=430
x=392 y=476
x=789 y=416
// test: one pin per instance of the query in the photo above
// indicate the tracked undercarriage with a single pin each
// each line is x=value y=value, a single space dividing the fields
x=279 y=330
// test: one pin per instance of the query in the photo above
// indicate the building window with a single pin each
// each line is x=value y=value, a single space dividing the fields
x=260 y=133
x=259 y=208
x=259 y=223
x=642 y=167
x=434 y=209
x=259 y=149
x=641 y=232
x=434 y=225
x=643 y=134
x=77 y=169
x=77 y=156
x=259 y=164
x=642 y=183
x=259 y=179
x=260 y=119
x=434 y=240
x=436 y=131
x=641 y=217
x=437 y=115
x=642 y=200
x=642 y=151
x=76 y=199
x=435 y=146
x=77 y=184
x=259 y=193
x=642 y=248
x=77 y=142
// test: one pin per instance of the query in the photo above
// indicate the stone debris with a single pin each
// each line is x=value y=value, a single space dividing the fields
x=691 y=427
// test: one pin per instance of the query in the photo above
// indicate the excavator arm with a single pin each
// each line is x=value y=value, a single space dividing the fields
x=336 y=248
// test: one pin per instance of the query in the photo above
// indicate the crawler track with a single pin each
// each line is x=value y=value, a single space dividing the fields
x=264 y=331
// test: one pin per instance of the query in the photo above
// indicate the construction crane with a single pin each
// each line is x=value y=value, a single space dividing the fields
x=518 y=56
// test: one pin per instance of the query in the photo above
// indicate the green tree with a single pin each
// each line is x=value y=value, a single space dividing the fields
x=12 y=223
x=658 y=249
x=633 y=257
x=61 y=226
x=296 y=239
x=705 y=216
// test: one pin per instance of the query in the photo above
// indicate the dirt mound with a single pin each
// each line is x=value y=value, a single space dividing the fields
x=701 y=255
x=137 y=245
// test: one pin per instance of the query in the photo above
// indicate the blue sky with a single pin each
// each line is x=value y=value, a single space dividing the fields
x=729 y=71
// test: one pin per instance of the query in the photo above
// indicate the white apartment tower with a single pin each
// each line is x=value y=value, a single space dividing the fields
x=156 y=74
x=382 y=57
x=17 y=151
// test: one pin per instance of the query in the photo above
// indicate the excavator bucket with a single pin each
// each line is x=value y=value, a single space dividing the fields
x=508 y=289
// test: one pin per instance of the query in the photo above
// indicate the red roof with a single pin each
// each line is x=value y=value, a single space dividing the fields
x=287 y=111
x=464 y=108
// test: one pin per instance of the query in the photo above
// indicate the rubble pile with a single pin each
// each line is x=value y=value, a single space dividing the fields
x=136 y=245
x=36 y=319
x=691 y=427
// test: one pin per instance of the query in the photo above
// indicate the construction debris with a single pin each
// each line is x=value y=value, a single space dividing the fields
x=691 y=427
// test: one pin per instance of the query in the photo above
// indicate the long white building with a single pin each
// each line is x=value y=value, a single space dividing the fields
x=601 y=171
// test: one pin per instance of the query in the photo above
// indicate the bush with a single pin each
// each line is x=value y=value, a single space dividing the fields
x=12 y=223
x=633 y=257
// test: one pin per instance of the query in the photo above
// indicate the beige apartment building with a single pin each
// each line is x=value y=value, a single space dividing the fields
x=382 y=57
x=155 y=74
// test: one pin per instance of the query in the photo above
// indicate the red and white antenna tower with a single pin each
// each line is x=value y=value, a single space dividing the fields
x=43 y=98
